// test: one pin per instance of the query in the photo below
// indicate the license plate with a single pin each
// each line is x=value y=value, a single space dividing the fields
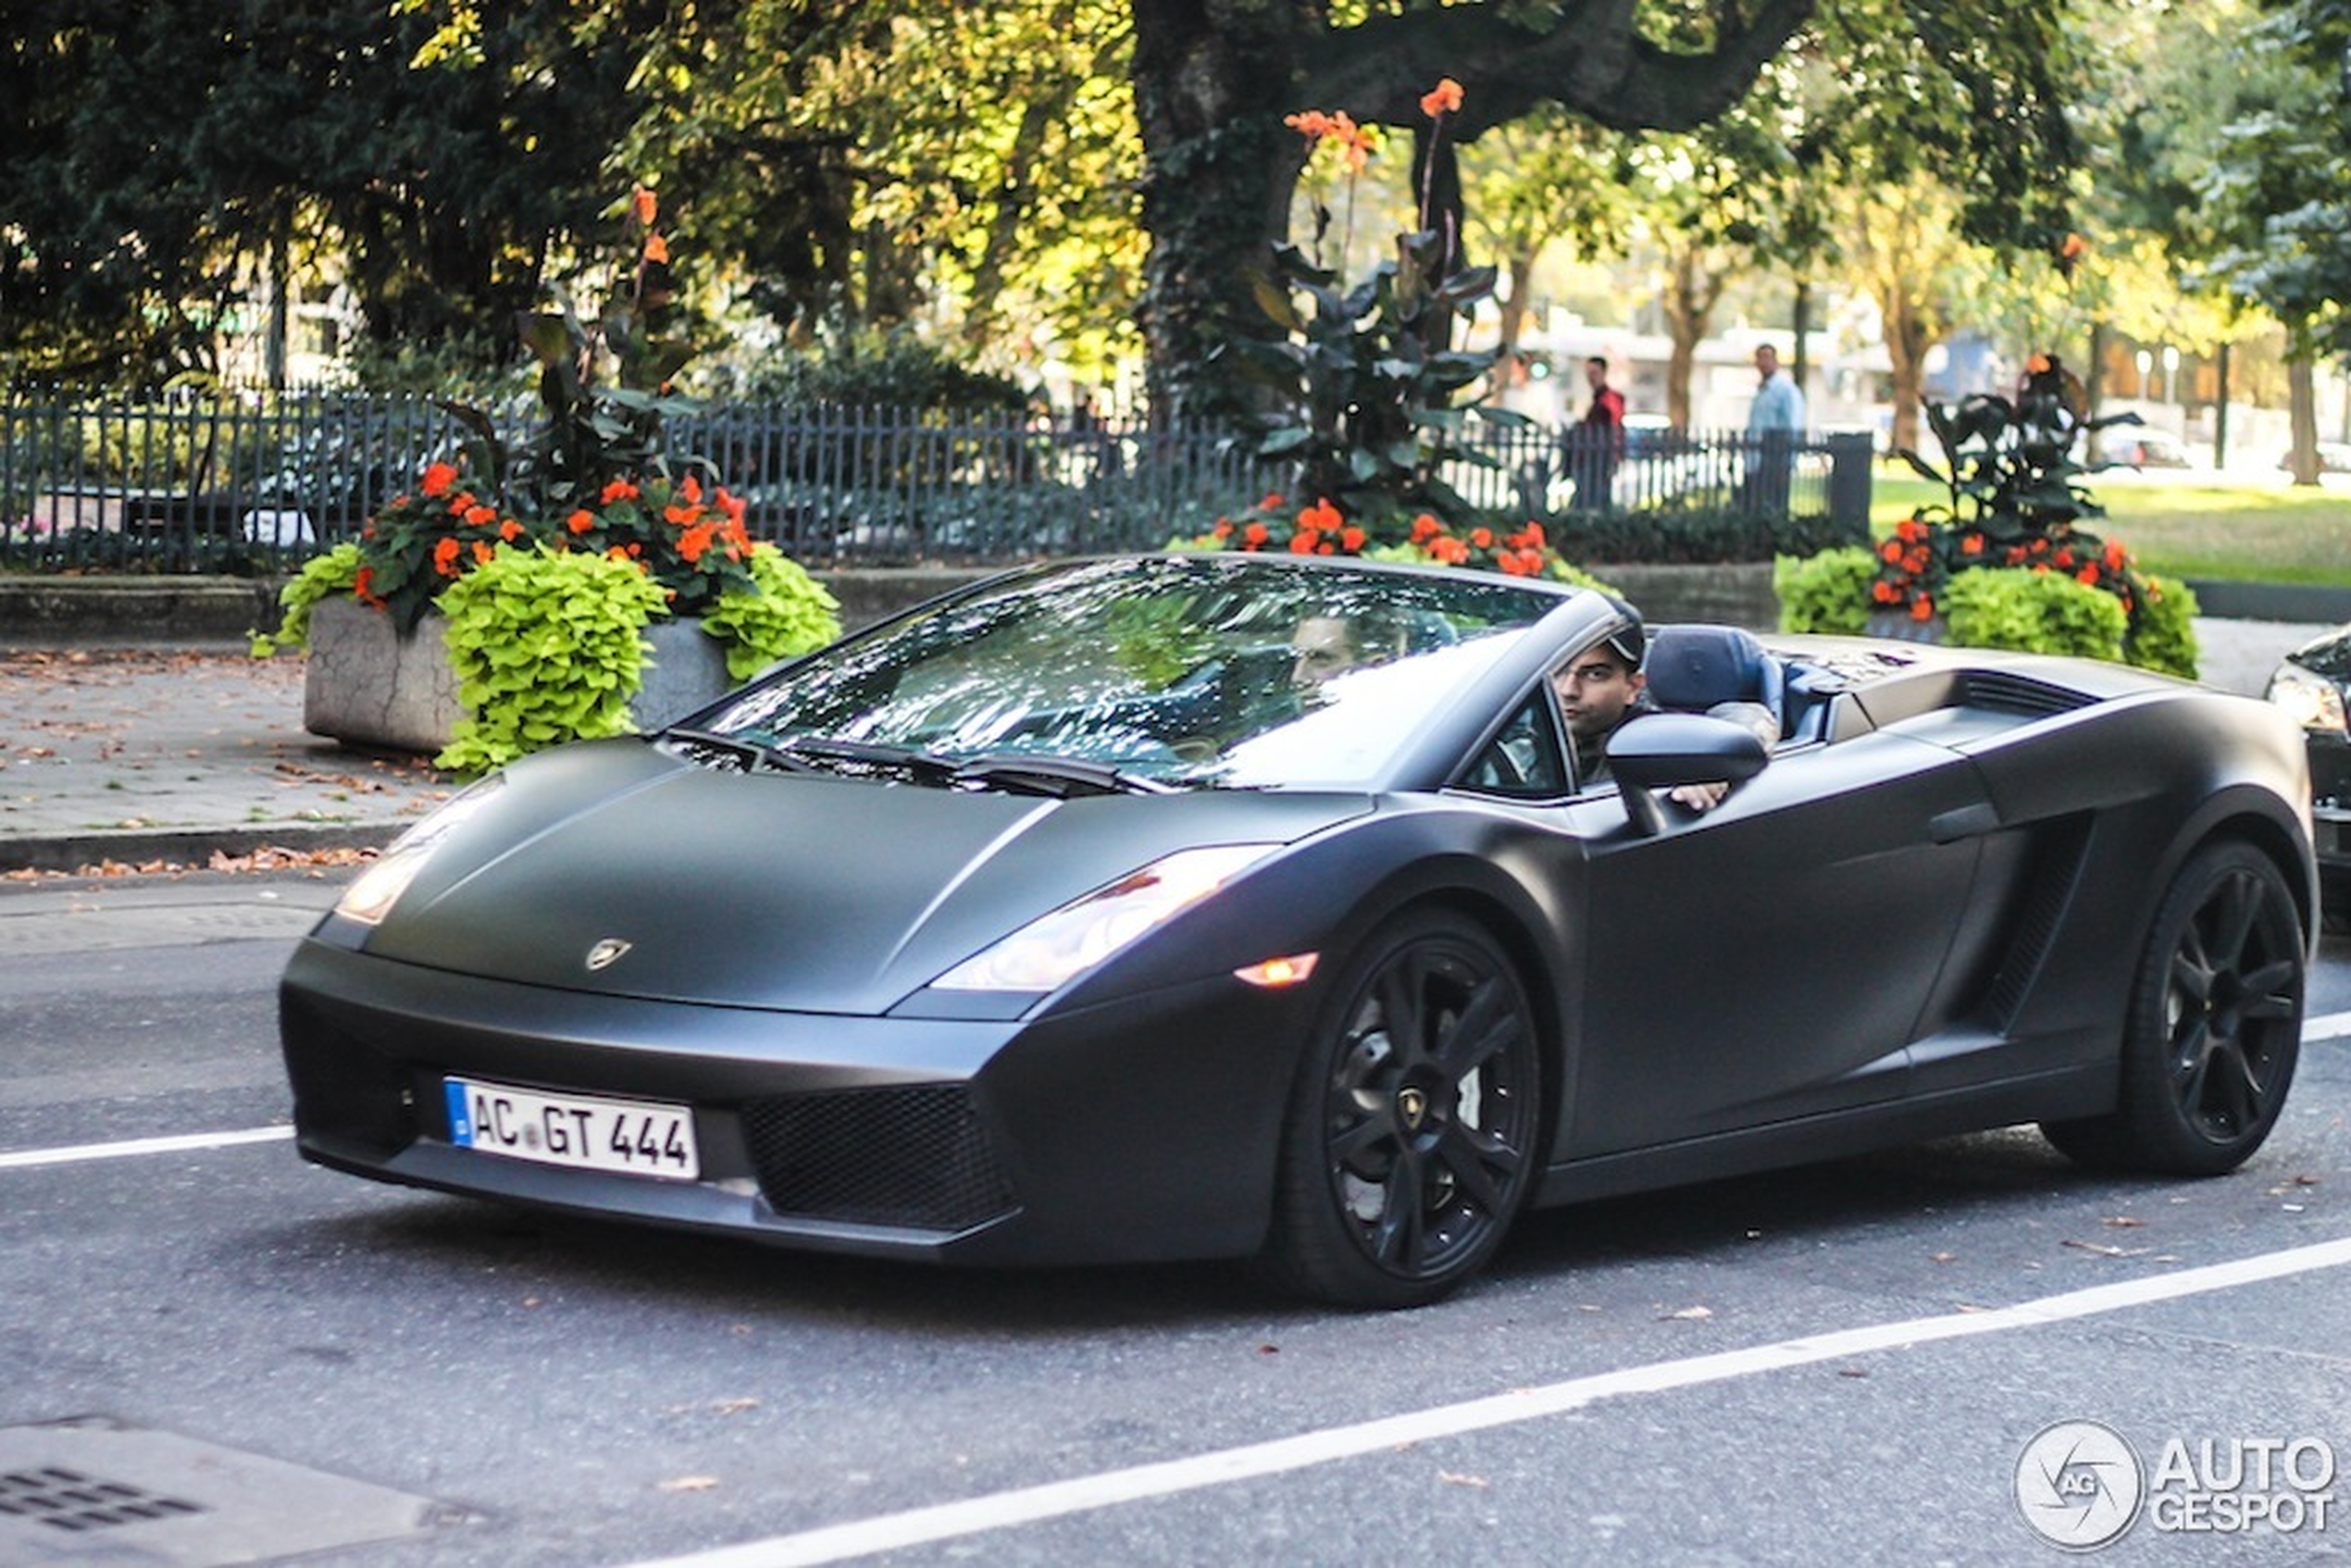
x=586 y=1132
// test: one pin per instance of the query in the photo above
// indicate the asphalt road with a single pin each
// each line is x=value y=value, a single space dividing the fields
x=1842 y=1364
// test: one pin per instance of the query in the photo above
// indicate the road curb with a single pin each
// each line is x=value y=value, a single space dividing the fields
x=187 y=846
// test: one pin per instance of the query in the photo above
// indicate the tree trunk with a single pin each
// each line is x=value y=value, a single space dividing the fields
x=2303 y=406
x=1211 y=82
x=1691 y=293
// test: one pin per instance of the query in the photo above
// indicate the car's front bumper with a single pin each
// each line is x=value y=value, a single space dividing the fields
x=1140 y=1130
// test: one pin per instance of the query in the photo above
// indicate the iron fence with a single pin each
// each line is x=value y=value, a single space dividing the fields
x=254 y=484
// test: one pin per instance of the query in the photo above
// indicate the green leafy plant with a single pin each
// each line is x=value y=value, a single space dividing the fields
x=320 y=578
x=548 y=646
x=2034 y=613
x=2015 y=509
x=589 y=524
x=2162 y=634
x=1364 y=382
x=785 y=612
x=1826 y=592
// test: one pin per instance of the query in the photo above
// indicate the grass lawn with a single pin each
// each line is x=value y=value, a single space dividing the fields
x=2218 y=526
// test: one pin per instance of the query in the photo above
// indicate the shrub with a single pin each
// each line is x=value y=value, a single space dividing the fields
x=548 y=646
x=2163 y=634
x=2034 y=613
x=1828 y=592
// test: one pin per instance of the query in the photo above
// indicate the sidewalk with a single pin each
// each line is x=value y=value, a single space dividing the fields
x=159 y=759
x=147 y=758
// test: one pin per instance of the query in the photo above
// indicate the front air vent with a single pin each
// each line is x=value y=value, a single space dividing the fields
x=916 y=1157
x=2001 y=693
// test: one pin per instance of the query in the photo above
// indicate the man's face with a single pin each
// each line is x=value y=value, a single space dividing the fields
x=1767 y=363
x=1597 y=374
x=1320 y=648
x=1595 y=688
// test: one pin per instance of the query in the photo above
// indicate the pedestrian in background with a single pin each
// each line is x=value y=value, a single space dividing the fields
x=1595 y=443
x=1773 y=422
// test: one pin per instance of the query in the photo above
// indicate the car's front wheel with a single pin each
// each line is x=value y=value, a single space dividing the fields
x=1413 y=1131
x=2214 y=1028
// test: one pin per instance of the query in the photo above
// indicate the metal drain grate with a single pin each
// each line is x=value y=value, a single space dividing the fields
x=90 y=1490
x=70 y=1500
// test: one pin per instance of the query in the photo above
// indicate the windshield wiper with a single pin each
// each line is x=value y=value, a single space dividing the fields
x=755 y=754
x=1058 y=777
x=869 y=755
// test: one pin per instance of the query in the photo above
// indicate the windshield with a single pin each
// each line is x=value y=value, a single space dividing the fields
x=1153 y=673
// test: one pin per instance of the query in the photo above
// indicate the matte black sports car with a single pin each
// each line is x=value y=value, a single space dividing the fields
x=1225 y=906
x=2313 y=685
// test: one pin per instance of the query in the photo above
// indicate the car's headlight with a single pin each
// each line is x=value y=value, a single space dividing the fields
x=1053 y=948
x=375 y=891
x=2311 y=700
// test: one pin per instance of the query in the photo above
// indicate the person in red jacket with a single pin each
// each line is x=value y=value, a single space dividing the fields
x=1596 y=444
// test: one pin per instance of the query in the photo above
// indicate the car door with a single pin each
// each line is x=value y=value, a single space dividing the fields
x=1769 y=959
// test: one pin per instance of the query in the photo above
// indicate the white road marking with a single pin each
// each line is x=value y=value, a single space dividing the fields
x=2331 y=1026
x=76 y=1153
x=888 y=1532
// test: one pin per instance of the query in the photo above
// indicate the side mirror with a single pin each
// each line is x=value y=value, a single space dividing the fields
x=1658 y=751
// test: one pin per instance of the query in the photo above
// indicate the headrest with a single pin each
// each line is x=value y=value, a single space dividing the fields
x=1692 y=667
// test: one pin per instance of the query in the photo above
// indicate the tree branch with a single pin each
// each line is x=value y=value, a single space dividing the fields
x=1592 y=60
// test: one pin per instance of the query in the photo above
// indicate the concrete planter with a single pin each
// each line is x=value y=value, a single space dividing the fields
x=1900 y=625
x=367 y=686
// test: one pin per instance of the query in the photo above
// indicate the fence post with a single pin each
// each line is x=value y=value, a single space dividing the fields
x=1852 y=466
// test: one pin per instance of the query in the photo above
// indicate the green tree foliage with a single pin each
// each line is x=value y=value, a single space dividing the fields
x=166 y=160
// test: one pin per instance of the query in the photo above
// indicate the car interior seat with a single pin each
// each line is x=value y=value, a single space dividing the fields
x=1693 y=669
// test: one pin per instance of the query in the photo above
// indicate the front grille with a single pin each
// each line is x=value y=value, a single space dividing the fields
x=916 y=1157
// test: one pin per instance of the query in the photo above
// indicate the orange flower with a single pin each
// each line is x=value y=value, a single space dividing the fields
x=1890 y=551
x=2037 y=366
x=1271 y=503
x=445 y=557
x=363 y=587
x=1921 y=608
x=1482 y=538
x=580 y=521
x=1224 y=528
x=1450 y=551
x=2074 y=245
x=1442 y=99
x=2087 y=577
x=1303 y=542
x=695 y=542
x=439 y=477
x=1885 y=593
x=1351 y=538
x=510 y=530
x=1426 y=527
x=1255 y=535
x=1313 y=124
x=1971 y=545
x=656 y=250
x=480 y=517
x=482 y=551
x=646 y=205
x=1321 y=515
x=691 y=491
x=619 y=490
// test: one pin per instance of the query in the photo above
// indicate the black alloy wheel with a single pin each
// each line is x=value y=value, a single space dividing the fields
x=1414 y=1130
x=2215 y=1024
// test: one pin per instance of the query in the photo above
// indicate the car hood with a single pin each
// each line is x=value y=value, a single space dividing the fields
x=2329 y=656
x=803 y=892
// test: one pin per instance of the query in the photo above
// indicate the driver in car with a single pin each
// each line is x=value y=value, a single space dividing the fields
x=1599 y=689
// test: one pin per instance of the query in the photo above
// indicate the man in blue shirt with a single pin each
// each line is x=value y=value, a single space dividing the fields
x=1773 y=422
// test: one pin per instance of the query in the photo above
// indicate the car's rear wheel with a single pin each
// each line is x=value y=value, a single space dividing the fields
x=1413 y=1131
x=2214 y=1028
